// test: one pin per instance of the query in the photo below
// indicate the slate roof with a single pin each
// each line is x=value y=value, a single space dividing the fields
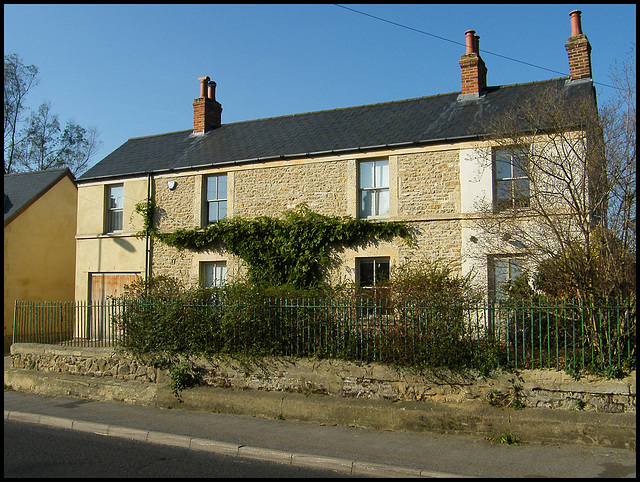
x=445 y=117
x=22 y=189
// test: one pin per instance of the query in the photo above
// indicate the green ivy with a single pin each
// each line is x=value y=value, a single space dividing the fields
x=294 y=250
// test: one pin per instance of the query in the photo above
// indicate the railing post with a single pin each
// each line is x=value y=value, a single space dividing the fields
x=15 y=311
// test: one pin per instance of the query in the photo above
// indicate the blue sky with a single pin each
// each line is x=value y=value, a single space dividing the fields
x=132 y=70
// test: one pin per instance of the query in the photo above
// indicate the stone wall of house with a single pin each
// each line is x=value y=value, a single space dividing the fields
x=175 y=208
x=170 y=261
x=435 y=240
x=527 y=388
x=322 y=186
x=425 y=191
x=429 y=184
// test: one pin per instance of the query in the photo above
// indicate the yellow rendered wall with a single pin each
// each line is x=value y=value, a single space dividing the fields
x=97 y=252
x=39 y=251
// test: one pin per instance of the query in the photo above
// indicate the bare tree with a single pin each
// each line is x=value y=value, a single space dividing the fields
x=618 y=119
x=38 y=142
x=18 y=81
x=564 y=188
x=48 y=146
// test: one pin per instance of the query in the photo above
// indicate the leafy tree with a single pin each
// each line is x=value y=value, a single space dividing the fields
x=37 y=141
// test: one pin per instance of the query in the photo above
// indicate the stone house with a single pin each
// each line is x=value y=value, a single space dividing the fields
x=39 y=244
x=413 y=160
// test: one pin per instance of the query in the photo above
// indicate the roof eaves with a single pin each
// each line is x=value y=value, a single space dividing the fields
x=323 y=153
x=283 y=156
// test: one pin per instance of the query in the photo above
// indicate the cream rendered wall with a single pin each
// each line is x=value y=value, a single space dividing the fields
x=476 y=181
x=97 y=251
x=39 y=251
x=476 y=186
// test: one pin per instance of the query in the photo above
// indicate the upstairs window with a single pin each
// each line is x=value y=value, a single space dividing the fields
x=373 y=188
x=511 y=179
x=216 y=198
x=114 y=205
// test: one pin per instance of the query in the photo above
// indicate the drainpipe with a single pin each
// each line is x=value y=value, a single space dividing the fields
x=147 y=254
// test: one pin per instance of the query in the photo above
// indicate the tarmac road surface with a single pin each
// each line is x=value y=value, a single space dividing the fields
x=352 y=450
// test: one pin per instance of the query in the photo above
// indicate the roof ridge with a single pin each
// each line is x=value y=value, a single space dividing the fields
x=519 y=84
x=399 y=101
x=344 y=108
x=351 y=107
x=299 y=114
x=61 y=169
x=159 y=135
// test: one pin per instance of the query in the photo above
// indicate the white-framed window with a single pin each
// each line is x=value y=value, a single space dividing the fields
x=511 y=179
x=213 y=273
x=114 y=205
x=373 y=188
x=215 y=198
x=370 y=272
x=503 y=270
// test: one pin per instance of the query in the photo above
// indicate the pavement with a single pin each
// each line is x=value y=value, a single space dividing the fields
x=346 y=449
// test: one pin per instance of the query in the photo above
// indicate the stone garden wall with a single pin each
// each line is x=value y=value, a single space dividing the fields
x=527 y=388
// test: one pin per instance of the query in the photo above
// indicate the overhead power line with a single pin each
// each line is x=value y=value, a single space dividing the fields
x=564 y=74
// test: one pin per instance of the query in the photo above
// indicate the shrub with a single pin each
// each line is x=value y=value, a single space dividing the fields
x=418 y=318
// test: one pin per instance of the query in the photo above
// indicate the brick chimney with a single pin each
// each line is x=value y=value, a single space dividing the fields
x=579 y=49
x=474 y=72
x=207 y=113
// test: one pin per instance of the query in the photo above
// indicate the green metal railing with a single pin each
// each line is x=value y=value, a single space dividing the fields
x=70 y=323
x=531 y=334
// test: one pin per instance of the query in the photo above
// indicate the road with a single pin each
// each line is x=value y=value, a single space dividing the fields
x=433 y=453
x=38 y=451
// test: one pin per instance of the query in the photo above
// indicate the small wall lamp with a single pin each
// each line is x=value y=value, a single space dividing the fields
x=172 y=185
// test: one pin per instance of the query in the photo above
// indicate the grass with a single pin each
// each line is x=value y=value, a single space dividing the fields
x=504 y=439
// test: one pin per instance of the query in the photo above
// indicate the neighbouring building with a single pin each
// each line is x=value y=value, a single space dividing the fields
x=414 y=160
x=39 y=239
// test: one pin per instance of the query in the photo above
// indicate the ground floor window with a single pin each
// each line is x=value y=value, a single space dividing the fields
x=372 y=271
x=503 y=270
x=213 y=274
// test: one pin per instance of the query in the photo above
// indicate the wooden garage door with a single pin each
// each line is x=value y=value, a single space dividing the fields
x=110 y=285
x=99 y=325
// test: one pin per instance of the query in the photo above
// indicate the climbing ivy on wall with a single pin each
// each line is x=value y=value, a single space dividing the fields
x=295 y=249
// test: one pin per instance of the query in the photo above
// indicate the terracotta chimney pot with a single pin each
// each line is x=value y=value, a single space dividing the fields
x=470 y=38
x=203 y=86
x=576 y=24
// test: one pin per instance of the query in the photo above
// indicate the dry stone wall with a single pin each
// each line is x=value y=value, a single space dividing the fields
x=95 y=362
x=527 y=388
